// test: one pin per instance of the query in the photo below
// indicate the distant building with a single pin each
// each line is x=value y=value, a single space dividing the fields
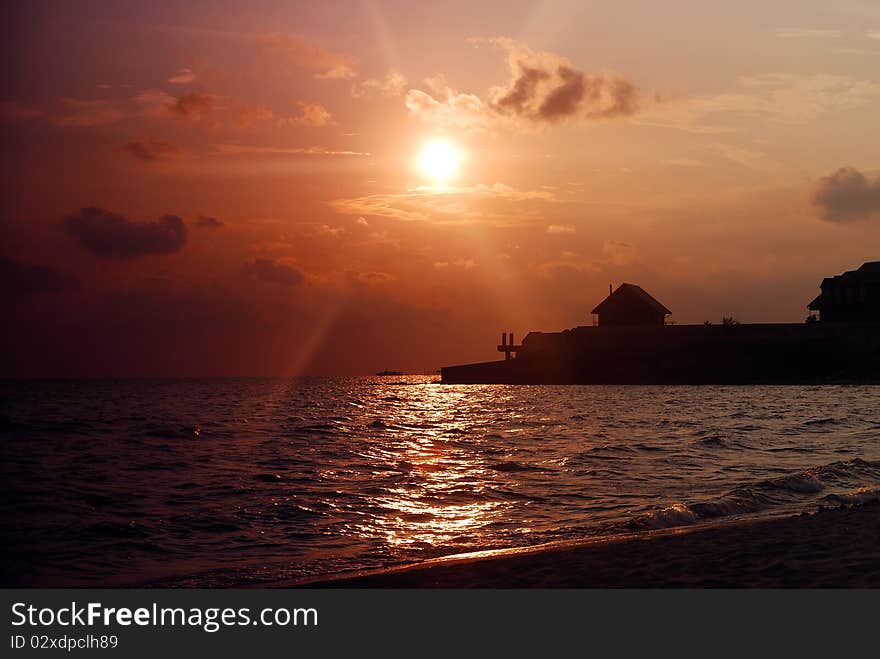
x=630 y=305
x=852 y=296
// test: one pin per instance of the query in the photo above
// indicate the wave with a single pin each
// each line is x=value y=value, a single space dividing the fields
x=512 y=466
x=792 y=490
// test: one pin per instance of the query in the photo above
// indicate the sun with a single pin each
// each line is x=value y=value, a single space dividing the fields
x=439 y=160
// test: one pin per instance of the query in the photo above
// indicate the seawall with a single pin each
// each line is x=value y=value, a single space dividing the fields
x=803 y=353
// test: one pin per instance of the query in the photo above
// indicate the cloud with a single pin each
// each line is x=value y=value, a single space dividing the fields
x=325 y=64
x=619 y=253
x=393 y=84
x=275 y=272
x=561 y=228
x=847 y=195
x=327 y=230
x=182 y=77
x=151 y=150
x=370 y=278
x=783 y=98
x=684 y=162
x=248 y=150
x=806 y=33
x=21 y=279
x=14 y=111
x=247 y=116
x=82 y=113
x=191 y=107
x=496 y=204
x=154 y=102
x=748 y=158
x=311 y=115
x=111 y=236
x=544 y=88
x=873 y=34
x=207 y=222
x=855 y=51
x=452 y=110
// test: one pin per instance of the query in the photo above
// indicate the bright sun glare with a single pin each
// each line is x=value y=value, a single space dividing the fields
x=439 y=160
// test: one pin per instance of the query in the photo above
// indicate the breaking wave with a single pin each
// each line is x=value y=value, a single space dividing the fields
x=840 y=483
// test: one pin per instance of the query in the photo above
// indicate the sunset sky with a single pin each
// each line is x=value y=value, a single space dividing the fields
x=240 y=187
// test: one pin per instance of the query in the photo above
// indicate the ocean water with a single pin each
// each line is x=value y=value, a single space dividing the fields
x=222 y=482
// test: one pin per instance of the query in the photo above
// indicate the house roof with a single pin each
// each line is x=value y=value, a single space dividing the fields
x=868 y=273
x=870 y=268
x=630 y=294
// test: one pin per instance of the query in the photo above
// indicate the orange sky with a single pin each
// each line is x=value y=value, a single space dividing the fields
x=232 y=188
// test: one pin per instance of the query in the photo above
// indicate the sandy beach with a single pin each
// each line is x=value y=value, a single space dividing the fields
x=832 y=548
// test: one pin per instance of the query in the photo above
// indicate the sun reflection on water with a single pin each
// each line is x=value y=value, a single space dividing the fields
x=435 y=506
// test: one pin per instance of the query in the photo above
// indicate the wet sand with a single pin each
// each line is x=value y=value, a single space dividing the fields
x=833 y=548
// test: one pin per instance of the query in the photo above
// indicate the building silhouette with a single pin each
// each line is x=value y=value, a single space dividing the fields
x=851 y=296
x=630 y=305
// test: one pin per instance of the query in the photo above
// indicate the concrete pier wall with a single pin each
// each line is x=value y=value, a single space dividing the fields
x=689 y=354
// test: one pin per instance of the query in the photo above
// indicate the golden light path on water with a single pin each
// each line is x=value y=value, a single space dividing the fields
x=420 y=519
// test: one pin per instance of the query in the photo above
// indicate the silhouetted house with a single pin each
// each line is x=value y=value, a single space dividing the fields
x=630 y=305
x=852 y=296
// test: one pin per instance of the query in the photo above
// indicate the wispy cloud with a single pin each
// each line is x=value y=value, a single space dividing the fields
x=617 y=252
x=311 y=115
x=81 y=113
x=806 y=33
x=324 y=64
x=684 y=162
x=495 y=204
x=393 y=84
x=748 y=158
x=274 y=271
x=784 y=98
x=150 y=149
x=14 y=111
x=250 y=150
x=182 y=77
x=561 y=228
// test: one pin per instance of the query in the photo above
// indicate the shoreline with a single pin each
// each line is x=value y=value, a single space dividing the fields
x=831 y=548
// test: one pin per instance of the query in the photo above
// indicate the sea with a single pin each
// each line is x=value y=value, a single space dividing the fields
x=234 y=482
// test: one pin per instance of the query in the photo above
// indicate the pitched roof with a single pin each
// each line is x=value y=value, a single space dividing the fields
x=630 y=293
x=868 y=273
x=870 y=268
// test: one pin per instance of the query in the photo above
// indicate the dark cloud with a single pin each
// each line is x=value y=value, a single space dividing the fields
x=276 y=272
x=523 y=88
x=207 y=222
x=191 y=107
x=546 y=88
x=847 y=195
x=622 y=99
x=111 y=236
x=150 y=149
x=18 y=278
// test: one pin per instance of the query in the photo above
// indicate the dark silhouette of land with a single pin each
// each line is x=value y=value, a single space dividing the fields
x=631 y=343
